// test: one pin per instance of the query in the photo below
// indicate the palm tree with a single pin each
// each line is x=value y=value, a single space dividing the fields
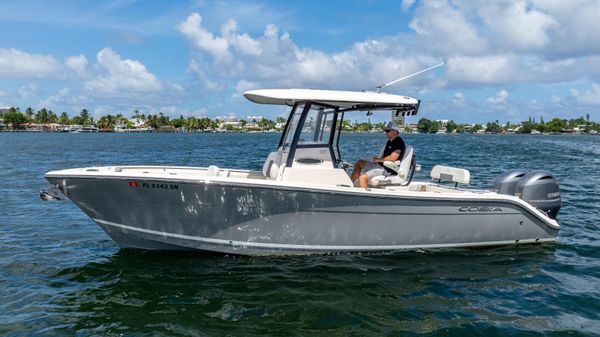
x=162 y=119
x=64 y=119
x=204 y=123
x=29 y=113
x=41 y=116
x=192 y=123
x=107 y=122
x=85 y=117
x=152 y=121
x=52 y=117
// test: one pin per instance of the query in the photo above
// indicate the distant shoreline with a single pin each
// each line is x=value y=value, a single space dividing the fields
x=279 y=131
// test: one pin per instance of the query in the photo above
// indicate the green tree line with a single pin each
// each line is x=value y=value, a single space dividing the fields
x=17 y=119
x=554 y=125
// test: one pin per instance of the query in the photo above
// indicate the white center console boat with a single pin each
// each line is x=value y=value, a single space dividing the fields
x=303 y=200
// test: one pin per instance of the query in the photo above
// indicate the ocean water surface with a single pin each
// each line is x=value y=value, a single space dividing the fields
x=61 y=275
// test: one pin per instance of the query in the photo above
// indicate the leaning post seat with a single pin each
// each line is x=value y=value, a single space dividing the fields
x=404 y=169
x=272 y=164
x=451 y=174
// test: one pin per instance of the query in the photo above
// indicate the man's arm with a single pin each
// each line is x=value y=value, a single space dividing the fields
x=392 y=157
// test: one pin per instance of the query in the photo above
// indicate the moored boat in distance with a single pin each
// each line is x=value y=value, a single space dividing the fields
x=80 y=129
x=303 y=200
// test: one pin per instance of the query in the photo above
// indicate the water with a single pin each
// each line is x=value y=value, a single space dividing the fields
x=61 y=275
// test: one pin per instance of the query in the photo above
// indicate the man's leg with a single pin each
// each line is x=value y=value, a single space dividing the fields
x=372 y=171
x=363 y=180
x=357 y=169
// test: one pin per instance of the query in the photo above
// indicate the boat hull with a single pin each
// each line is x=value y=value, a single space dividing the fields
x=256 y=219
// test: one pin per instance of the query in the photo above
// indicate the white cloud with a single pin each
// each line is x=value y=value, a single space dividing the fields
x=494 y=45
x=407 y=4
x=198 y=70
x=576 y=33
x=458 y=98
x=588 y=97
x=492 y=69
x=54 y=99
x=28 y=90
x=273 y=59
x=243 y=86
x=441 y=29
x=204 y=40
x=118 y=77
x=243 y=42
x=445 y=29
x=271 y=30
x=78 y=64
x=19 y=64
x=168 y=109
x=518 y=25
x=500 y=98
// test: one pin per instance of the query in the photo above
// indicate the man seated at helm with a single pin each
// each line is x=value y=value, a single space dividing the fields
x=364 y=169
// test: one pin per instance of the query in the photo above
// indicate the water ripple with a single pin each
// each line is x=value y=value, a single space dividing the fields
x=61 y=275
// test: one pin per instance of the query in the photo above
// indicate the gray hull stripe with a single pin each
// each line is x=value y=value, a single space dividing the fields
x=322 y=248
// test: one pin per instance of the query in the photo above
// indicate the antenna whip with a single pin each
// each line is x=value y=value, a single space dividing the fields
x=409 y=76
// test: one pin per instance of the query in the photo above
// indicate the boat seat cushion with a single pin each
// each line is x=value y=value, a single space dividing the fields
x=453 y=174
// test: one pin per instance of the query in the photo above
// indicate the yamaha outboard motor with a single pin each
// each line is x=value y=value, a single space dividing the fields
x=540 y=189
x=507 y=182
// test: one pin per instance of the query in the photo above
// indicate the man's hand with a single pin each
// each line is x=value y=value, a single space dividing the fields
x=392 y=157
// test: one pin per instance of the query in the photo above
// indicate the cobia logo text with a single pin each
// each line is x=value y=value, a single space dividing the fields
x=479 y=209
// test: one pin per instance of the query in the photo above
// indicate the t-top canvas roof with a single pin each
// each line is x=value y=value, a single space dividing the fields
x=356 y=100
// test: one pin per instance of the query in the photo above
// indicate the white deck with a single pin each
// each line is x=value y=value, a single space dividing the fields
x=203 y=174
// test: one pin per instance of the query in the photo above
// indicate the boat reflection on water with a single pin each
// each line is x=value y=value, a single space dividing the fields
x=160 y=292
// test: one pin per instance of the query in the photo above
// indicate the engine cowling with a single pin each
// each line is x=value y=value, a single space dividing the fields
x=507 y=182
x=541 y=190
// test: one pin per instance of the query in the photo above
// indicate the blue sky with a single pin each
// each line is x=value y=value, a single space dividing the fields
x=507 y=60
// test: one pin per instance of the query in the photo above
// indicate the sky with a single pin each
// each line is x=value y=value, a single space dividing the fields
x=505 y=60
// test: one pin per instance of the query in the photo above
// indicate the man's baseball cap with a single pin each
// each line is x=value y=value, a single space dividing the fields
x=391 y=126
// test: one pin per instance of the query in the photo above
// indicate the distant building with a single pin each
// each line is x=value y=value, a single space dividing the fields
x=413 y=128
x=4 y=110
x=226 y=119
x=399 y=120
x=138 y=122
x=254 y=118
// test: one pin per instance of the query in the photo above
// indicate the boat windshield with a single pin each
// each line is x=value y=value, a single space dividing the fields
x=317 y=127
x=292 y=124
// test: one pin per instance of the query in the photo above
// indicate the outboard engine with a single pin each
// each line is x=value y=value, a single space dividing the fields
x=507 y=182
x=540 y=189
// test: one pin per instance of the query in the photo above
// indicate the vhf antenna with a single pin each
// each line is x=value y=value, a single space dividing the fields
x=409 y=76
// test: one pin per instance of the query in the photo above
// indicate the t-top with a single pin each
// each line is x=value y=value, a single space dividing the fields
x=394 y=145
